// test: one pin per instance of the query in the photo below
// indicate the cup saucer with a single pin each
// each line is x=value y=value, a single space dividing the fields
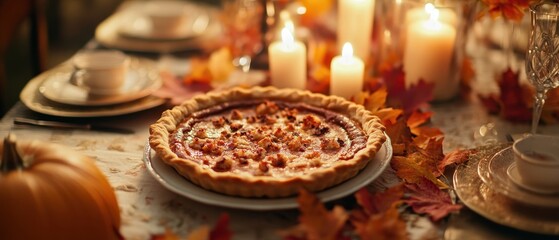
x=493 y=172
x=512 y=172
x=142 y=79
x=136 y=24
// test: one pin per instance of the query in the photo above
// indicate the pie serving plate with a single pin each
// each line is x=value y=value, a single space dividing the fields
x=170 y=179
x=142 y=79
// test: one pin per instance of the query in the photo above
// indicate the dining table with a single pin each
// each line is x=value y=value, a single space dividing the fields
x=149 y=206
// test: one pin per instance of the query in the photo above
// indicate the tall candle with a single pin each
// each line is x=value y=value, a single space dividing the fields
x=428 y=55
x=346 y=73
x=355 y=24
x=288 y=62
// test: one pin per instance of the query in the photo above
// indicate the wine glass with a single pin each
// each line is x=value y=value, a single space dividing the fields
x=242 y=21
x=542 y=58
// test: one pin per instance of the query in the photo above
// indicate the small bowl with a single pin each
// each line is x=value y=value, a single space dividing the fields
x=537 y=160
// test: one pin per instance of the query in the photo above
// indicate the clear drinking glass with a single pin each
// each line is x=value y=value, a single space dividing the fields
x=542 y=58
x=242 y=21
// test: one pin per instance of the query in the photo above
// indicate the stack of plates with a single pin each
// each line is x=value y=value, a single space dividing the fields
x=51 y=93
x=131 y=28
x=490 y=188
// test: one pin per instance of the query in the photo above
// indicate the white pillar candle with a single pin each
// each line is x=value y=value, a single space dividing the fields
x=428 y=55
x=288 y=62
x=355 y=24
x=346 y=73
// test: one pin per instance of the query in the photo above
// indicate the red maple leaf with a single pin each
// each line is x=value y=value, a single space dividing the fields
x=408 y=99
x=491 y=103
x=379 y=202
x=221 y=230
x=427 y=198
x=514 y=106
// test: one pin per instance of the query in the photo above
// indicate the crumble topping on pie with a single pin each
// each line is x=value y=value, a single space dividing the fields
x=270 y=138
x=267 y=142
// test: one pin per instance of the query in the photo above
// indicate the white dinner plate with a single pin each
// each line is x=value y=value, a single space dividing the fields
x=108 y=33
x=142 y=79
x=34 y=100
x=493 y=172
x=512 y=172
x=170 y=179
x=136 y=25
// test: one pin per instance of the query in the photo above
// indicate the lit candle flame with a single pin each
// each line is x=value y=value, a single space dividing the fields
x=287 y=38
x=347 y=51
x=434 y=13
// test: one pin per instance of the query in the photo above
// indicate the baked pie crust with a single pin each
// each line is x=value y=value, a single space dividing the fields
x=267 y=142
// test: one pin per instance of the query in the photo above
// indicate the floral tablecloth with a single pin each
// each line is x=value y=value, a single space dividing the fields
x=148 y=209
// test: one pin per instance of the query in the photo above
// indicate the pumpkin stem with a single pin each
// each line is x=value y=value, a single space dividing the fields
x=10 y=158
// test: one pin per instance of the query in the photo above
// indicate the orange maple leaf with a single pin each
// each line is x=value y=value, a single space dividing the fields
x=428 y=153
x=372 y=101
x=427 y=198
x=168 y=235
x=376 y=103
x=416 y=121
x=386 y=226
x=400 y=136
x=409 y=170
x=509 y=9
x=455 y=157
x=315 y=221
x=418 y=118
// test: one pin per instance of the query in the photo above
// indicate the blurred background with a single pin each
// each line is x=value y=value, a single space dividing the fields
x=70 y=24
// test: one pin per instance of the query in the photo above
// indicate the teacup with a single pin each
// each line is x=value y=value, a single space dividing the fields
x=167 y=18
x=100 y=71
x=537 y=161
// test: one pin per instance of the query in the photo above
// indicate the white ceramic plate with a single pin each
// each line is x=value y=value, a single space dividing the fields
x=512 y=172
x=108 y=33
x=34 y=100
x=137 y=24
x=169 y=178
x=493 y=172
x=142 y=80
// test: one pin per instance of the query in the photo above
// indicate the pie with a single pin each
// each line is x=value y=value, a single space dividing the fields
x=267 y=142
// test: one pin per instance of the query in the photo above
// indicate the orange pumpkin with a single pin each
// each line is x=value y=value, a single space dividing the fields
x=50 y=192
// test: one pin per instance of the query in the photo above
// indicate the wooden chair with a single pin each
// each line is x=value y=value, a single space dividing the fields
x=12 y=14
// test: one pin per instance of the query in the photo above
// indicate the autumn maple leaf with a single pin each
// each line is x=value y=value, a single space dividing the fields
x=455 y=157
x=514 y=106
x=379 y=202
x=221 y=230
x=386 y=226
x=408 y=99
x=168 y=235
x=427 y=198
x=379 y=218
x=315 y=221
x=411 y=171
x=416 y=121
x=509 y=9
x=400 y=136
x=375 y=102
